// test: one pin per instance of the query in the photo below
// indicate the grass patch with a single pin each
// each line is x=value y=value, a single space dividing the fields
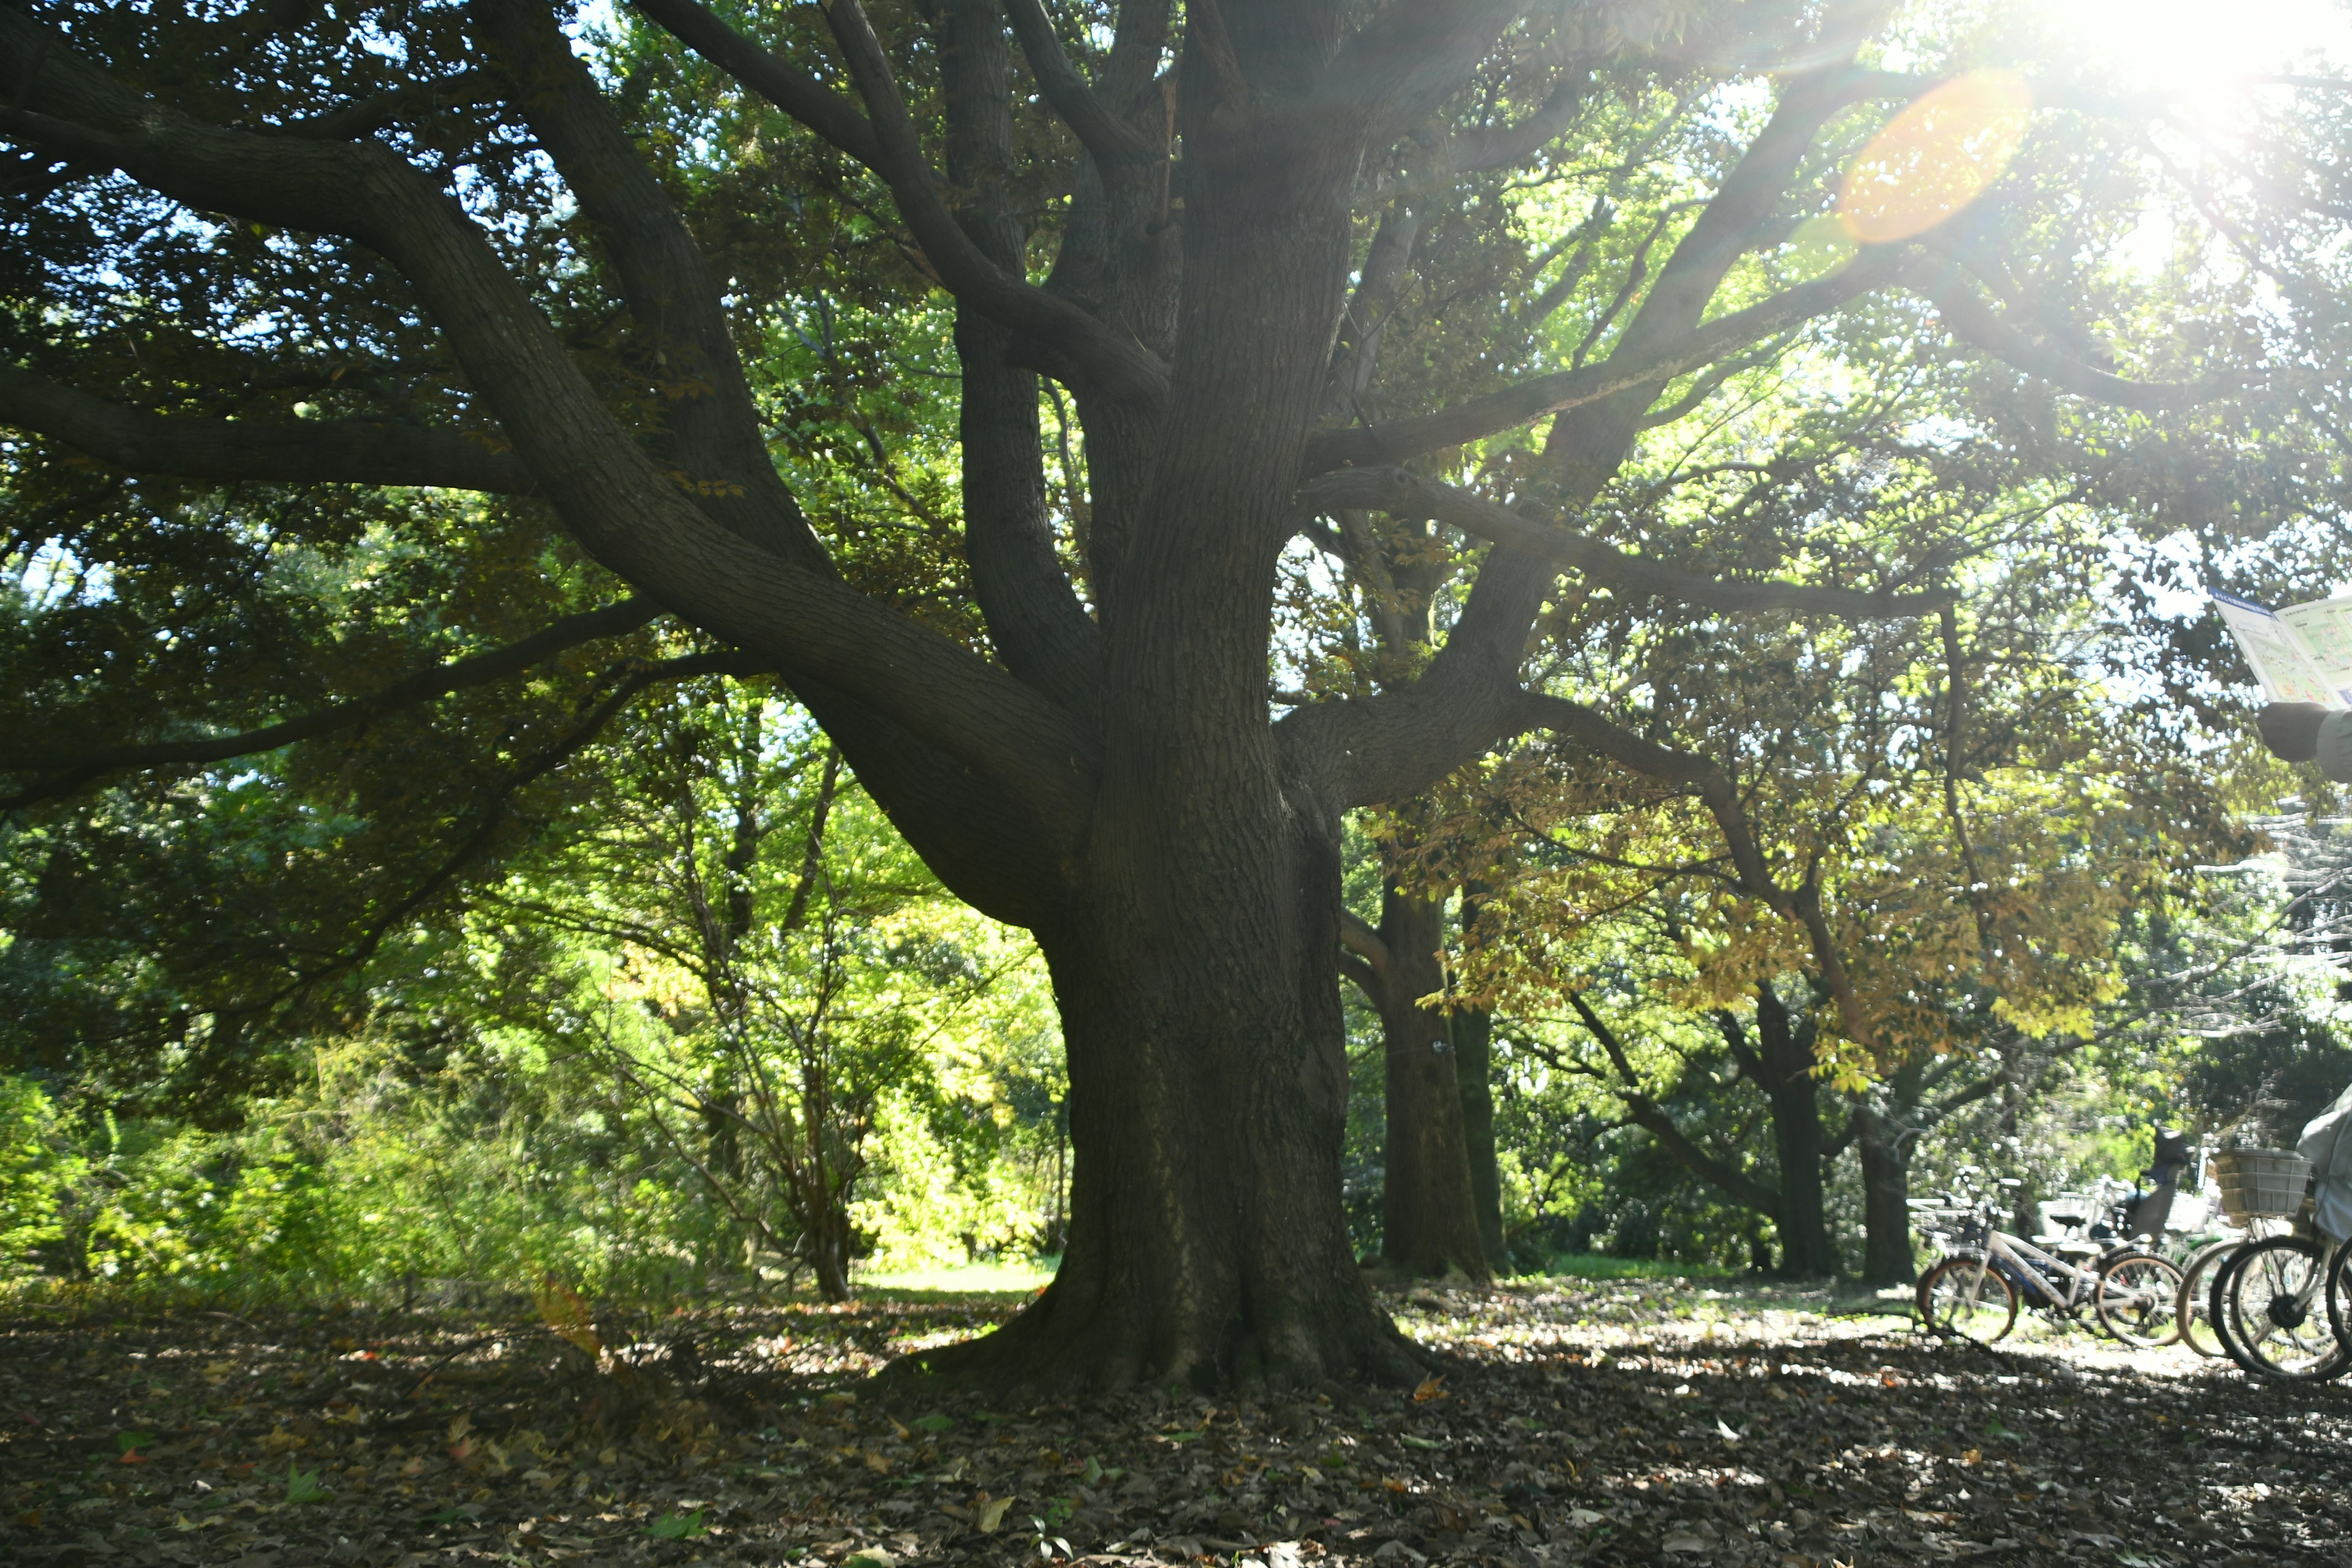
x=1002 y=1276
x=1596 y=1265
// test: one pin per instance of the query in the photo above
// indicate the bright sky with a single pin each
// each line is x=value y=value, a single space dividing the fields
x=2205 y=46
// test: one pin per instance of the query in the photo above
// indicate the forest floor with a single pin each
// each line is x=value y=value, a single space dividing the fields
x=1697 y=1422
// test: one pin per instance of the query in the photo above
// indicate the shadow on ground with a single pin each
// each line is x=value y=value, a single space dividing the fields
x=1631 y=1421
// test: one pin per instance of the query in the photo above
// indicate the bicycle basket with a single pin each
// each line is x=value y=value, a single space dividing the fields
x=2259 y=1182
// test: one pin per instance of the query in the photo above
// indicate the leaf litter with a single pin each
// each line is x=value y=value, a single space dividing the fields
x=1623 y=1422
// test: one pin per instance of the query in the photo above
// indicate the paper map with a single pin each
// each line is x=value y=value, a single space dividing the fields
x=2300 y=654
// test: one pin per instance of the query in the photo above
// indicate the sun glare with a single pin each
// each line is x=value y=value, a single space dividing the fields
x=2201 y=50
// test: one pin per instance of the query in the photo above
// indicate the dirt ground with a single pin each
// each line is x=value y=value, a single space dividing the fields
x=1638 y=1421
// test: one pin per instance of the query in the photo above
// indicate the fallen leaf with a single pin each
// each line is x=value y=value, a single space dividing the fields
x=1432 y=1387
x=988 y=1513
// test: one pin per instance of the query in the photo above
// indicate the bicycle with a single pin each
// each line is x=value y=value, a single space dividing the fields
x=2265 y=1305
x=1975 y=1292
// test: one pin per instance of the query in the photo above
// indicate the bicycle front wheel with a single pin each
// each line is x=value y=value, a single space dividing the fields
x=2200 y=1331
x=2339 y=1299
x=2137 y=1299
x=2267 y=1297
x=1967 y=1297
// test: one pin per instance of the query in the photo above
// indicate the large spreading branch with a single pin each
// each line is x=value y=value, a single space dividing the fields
x=608 y=490
x=711 y=436
x=323 y=451
x=63 y=775
x=1416 y=500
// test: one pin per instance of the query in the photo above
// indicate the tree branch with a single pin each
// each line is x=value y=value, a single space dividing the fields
x=630 y=515
x=1110 y=138
x=1359 y=937
x=369 y=115
x=1627 y=369
x=63 y=775
x=339 y=451
x=1122 y=368
x=1416 y=500
x=1737 y=1184
x=1979 y=325
x=710 y=433
x=807 y=99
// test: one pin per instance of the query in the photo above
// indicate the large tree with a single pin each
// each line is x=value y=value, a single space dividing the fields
x=453 y=253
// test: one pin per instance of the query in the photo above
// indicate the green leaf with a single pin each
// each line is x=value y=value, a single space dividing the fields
x=302 y=1486
x=131 y=1442
x=677 y=1526
x=935 y=1422
x=1410 y=1441
x=1092 y=1474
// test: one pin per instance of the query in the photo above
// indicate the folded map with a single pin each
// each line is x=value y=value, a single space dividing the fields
x=2300 y=654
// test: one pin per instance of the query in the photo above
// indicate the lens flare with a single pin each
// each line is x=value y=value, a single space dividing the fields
x=1935 y=157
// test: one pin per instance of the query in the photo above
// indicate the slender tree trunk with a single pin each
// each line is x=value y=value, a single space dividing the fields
x=1474 y=1038
x=1884 y=1139
x=1785 y=1052
x=1429 y=1216
x=829 y=1246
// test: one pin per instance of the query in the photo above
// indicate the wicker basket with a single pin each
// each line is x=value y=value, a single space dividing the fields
x=2260 y=1183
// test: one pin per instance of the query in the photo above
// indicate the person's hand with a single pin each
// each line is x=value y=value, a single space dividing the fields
x=2291 y=730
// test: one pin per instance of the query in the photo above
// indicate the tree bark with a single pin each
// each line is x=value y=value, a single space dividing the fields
x=1429 y=1217
x=1474 y=1038
x=1885 y=1138
x=1207 y=1244
x=1785 y=1054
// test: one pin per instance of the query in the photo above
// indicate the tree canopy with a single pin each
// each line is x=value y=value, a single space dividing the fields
x=1743 y=460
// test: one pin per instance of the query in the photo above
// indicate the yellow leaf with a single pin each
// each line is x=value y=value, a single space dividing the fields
x=987 y=1514
x=1433 y=1387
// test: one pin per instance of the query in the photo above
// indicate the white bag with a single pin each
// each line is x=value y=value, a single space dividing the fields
x=2330 y=1152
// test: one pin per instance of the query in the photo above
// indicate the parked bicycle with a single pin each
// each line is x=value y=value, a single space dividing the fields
x=1977 y=1290
x=2270 y=1306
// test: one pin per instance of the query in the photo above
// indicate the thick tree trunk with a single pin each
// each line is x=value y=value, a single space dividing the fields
x=1429 y=1218
x=1884 y=1138
x=1194 y=961
x=1474 y=1040
x=1208 y=1100
x=1785 y=1053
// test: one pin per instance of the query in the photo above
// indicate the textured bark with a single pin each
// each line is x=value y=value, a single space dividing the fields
x=1474 y=1039
x=1784 y=1056
x=1884 y=1136
x=1429 y=1217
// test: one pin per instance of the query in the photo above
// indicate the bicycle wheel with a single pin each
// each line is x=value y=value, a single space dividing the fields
x=2199 y=1330
x=2339 y=1299
x=1969 y=1298
x=2268 y=1299
x=2136 y=1298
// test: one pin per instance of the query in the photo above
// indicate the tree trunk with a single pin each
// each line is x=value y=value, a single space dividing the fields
x=1193 y=956
x=1429 y=1217
x=1785 y=1052
x=829 y=1242
x=1885 y=1138
x=1208 y=1101
x=1474 y=1037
